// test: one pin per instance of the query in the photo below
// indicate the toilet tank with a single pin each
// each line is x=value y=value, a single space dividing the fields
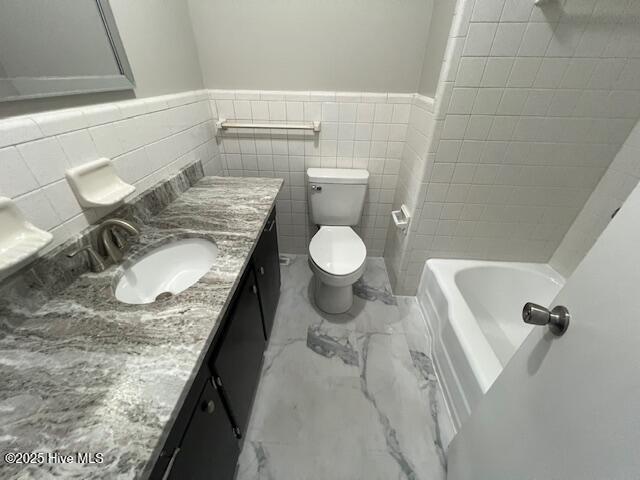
x=336 y=195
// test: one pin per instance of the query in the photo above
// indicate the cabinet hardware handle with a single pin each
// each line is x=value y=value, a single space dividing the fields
x=270 y=225
x=210 y=406
x=261 y=270
x=167 y=472
x=254 y=289
x=219 y=381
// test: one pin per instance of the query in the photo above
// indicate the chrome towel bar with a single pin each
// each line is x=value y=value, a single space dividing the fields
x=224 y=124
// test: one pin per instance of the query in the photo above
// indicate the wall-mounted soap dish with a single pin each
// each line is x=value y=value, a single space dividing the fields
x=19 y=239
x=96 y=184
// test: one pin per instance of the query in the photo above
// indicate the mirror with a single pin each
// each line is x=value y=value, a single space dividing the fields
x=60 y=48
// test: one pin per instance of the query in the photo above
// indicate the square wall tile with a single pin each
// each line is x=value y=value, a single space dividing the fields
x=479 y=39
x=62 y=199
x=38 y=210
x=78 y=146
x=45 y=159
x=16 y=178
x=487 y=11
x=507 y=40
x=470 y=71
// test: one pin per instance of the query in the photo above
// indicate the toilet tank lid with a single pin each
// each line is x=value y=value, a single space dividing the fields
x=338 y=175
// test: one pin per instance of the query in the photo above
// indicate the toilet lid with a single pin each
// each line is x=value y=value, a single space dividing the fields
x=337 y=250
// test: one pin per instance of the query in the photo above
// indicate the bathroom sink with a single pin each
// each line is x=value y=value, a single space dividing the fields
x=166 y=271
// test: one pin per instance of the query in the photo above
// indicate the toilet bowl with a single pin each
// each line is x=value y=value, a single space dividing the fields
x=337 y=258
x=336 y=252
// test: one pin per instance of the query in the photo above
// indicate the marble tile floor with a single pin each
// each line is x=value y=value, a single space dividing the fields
x=346 y=397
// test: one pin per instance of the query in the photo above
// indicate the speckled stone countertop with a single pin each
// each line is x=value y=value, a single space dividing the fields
x=86 y=373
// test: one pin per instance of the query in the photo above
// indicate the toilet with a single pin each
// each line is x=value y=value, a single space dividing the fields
x=336 y=253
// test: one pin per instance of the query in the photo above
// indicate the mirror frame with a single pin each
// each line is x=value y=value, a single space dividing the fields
x=41 y=87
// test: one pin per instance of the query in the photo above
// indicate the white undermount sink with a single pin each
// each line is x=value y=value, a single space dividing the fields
x=167 y=270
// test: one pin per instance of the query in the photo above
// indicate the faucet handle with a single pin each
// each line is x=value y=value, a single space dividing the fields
x=117 y=238
x=95 y=262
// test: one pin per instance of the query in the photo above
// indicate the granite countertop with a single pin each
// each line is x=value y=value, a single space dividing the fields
x=86 y=373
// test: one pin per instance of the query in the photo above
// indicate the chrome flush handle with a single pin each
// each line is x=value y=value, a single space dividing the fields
x=557 y=319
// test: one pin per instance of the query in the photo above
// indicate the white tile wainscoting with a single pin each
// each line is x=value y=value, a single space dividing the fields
x=411 y=191
x=148 y=140
x=467 y=202
x=359 y=130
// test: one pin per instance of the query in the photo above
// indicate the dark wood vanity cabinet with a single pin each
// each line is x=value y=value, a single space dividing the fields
x=266 y=262
x=237 y=359
x=205 y=439
x=208 y=450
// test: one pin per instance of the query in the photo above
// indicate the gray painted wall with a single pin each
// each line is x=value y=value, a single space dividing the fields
x=159 y=42
x=160 y=45
x=337 y=45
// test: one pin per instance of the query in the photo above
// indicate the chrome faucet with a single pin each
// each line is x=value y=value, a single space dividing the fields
x=113 y=243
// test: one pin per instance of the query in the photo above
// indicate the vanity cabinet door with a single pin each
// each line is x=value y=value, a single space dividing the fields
x=209 y=449
x=237 y=360
x=266 y=261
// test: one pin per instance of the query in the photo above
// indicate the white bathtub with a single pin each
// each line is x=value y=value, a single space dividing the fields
x=474 y=311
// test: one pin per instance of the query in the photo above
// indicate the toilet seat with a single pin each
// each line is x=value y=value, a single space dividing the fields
x=337 y=250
